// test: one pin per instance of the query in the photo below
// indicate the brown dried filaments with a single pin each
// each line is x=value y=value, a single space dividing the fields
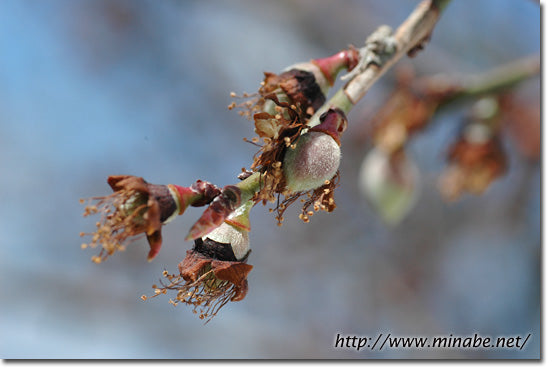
x=322 y=199
x=268 y=160
x=206 y=284
x=281 y=130
x=409 y=109
x=133 y=208
x=298 y=86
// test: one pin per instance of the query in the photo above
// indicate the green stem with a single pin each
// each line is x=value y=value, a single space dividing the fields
x=494 y=81
x=249 y=187
x=339 y=100
x=503 y=77
x=440 y=5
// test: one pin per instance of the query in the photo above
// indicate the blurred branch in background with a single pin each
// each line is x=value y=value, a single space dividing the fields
x=389 y=179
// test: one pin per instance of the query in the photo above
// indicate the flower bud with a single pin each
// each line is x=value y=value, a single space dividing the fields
x=227 y=242
x=215 y=271
x=389 y=182
x=314 y=160
x=316 y=156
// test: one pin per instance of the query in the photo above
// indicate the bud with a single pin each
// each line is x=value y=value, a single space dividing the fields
x=225 y=206
x=326 y=69
x=214 y=272
x=230 y=241
x=316 y=156
x=389 y=182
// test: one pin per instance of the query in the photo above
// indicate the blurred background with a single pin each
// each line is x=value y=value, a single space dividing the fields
x=94 y=88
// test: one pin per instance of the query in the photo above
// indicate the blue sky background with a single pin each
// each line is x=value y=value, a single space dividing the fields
x=93 y=88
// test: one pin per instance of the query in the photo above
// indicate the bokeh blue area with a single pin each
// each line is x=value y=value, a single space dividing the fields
x=94 y=88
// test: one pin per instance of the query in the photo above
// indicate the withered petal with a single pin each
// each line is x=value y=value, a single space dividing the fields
x=233 y=271
x=155 y=241
x=125 y=182
x=240 y=291
x=266 y=125
x=114 y=181
x=271 y=81
x=192 y=264
x=152 y=217
x=302 y=87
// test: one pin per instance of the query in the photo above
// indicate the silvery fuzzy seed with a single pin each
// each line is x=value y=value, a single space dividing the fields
x=238 y=239
x=314 y=160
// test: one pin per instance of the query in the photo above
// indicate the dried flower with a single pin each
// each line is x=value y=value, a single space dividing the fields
x=137 y=207
x=215 y=271
x=476 y=159
x=303 y=85
x=409 y=109
x=299 y=87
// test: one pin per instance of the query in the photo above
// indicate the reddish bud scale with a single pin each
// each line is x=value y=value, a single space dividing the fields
x=333 y=123
x=198 y=194
x=332 y=65
x=217 y=212
x=183 y=195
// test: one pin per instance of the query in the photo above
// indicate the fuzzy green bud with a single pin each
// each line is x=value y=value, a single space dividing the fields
x=314 y=160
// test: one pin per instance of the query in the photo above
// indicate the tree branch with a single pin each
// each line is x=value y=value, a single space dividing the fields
x=409 y=38
x=382 y=50
x=498 y=79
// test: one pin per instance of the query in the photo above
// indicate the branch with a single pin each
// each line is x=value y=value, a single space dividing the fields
x=498 y=79
x=409 y=38
x=382 y=50
x=413 y=103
